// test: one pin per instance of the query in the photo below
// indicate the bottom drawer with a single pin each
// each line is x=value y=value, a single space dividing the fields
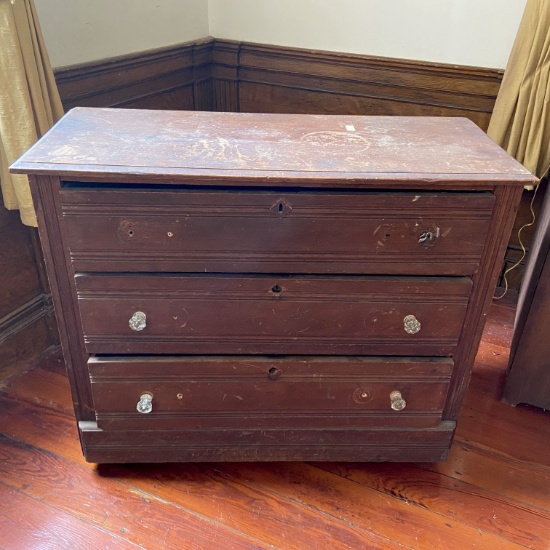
x=279 y=393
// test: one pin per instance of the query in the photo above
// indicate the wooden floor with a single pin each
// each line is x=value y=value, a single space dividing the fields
x=492 y=493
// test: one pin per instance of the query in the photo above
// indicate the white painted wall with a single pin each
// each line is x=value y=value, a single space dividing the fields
x=463 y=32
x=76 y=31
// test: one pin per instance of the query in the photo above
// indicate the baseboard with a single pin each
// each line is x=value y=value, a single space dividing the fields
x=25 y=333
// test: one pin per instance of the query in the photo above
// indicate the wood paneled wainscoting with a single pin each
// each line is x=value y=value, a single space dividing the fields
x=178 y=77
x=260 y=78
x=224 y=75
x=27 y=323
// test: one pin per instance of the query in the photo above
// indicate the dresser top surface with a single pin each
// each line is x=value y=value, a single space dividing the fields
x=175 y=145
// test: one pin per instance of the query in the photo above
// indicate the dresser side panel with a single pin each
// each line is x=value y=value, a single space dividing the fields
x=45 y=192
x=484 y=284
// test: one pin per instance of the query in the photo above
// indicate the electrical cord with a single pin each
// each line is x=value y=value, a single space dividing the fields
x=533 y=217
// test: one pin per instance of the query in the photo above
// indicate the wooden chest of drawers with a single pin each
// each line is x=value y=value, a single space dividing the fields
x=269 y=287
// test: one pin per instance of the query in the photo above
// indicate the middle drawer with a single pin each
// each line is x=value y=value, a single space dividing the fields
x=190 y=314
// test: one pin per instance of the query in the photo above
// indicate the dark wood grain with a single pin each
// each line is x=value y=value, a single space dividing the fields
x=61 y=279
x=291 y=80
x=20 y=281
x=271 y=314
x=370 y=444
x=24 y=335
x=482 y=293
x=292 y=392
x=240 y=76
x=165 y=78
x=25 y=307
x=225 y=75
x=189 y=231
x=45 y=286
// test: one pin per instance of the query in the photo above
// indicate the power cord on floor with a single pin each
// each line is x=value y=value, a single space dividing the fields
x=533 y=217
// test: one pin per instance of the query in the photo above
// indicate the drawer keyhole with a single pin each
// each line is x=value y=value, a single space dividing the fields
x=281 y=208
x=276 y=289
x=273 y=373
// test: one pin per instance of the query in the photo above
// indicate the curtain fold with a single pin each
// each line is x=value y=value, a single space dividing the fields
x=29 y=100
x=520 y=122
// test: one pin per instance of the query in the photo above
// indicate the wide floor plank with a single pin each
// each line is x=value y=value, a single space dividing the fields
x=29 y=524
x=454 y=499
x=115 y=506
x=386 y=515
x=279 y=521
x=523 y=482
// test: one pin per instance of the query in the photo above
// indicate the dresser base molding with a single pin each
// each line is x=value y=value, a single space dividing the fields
x=361 y=445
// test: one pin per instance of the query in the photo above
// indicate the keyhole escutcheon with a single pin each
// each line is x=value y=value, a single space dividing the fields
x=281 y=208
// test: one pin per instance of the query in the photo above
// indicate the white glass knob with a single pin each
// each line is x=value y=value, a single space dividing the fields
x=411 y=324
x=138 y=321
x=397 y=401
x=145 y=403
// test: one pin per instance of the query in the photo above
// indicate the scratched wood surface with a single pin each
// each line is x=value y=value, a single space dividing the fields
x=178 y=230
x=273 y=314
x=196 y=144
x=492 y=493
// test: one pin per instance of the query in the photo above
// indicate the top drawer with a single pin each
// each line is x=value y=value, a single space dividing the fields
x=182 y=230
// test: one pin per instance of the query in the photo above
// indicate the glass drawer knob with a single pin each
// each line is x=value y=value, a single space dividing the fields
x=138 y=321
x=145 y=403
x=411 y=324
x=397 y=401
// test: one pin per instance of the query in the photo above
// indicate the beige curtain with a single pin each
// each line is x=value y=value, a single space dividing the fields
x=520 y=122
x=29 y=100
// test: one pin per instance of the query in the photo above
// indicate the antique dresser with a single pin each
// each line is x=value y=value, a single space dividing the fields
x=269 y=287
